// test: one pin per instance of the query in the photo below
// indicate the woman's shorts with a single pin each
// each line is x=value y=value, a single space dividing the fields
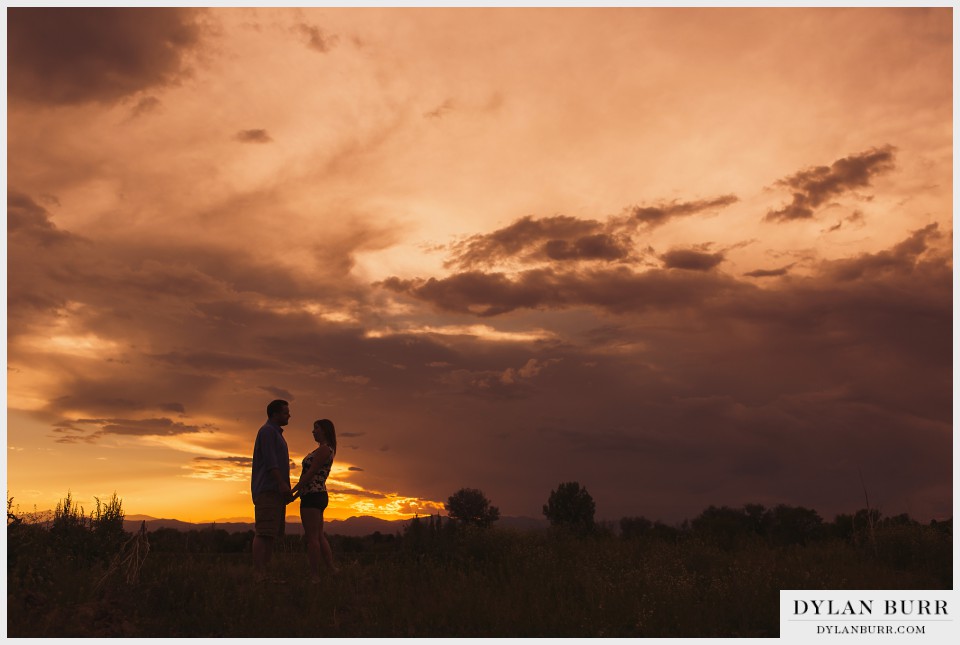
x=318 y=501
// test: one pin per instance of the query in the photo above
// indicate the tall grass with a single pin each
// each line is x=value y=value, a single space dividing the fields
x=439 y=579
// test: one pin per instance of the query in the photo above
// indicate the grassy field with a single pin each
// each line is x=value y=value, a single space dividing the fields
x=444 y=580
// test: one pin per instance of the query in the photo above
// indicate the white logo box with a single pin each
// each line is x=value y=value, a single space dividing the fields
x=915 y=615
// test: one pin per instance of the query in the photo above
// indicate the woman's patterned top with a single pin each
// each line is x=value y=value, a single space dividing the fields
x=319 y=482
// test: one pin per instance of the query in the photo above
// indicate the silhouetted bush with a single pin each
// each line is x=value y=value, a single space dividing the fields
x=570 y=507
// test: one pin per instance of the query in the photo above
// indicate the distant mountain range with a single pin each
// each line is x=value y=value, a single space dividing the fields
x=358 y=526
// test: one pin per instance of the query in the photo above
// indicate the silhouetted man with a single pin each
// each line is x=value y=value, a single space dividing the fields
x=270 y=484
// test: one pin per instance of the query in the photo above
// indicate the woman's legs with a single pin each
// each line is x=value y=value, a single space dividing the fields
x=325 y=549
x=312 y=519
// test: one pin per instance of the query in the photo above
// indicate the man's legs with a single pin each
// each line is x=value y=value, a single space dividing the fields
x=262 y=550
x=269 y=511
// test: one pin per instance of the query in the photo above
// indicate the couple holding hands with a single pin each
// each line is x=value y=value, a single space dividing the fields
x=270 y=486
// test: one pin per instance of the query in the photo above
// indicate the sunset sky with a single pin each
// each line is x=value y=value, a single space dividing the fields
x=681 y=256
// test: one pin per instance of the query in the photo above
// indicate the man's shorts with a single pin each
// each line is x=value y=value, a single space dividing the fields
x=270 y=512
x=318 y=501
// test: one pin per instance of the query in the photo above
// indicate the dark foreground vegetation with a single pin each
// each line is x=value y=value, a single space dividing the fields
x=717 y=575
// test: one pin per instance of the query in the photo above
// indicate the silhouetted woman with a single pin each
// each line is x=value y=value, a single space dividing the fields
x=312 y=489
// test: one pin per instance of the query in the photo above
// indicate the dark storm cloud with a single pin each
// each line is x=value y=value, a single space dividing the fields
x=713 y=389
x=28 y=219
x=601 y=246
x=195 y=281
x=691 y=260
x=562 y=238
x=253 y=136
x=60 y=56
x=814 y=186
x=112 y=389
x=555 y=238
x=158 y=324
x=901 y=258
x=682 y=387
x=653 y=216
x=617 y=290
x=768 y=273
x=94 y=429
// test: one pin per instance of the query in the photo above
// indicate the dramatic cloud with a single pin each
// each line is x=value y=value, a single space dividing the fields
x=590 y=247
x=27 y=219
x=616 y=290
x=92 y=429
x=768 y=273
x=63 y=56
x=691 y=260
x=653 y=216
x=560 y=237
x=641 y=330
x=901 y=259
x=569 y=239
x=814 y=186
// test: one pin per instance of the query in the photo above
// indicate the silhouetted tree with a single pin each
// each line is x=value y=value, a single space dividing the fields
x=842 y=526
x=570 y=507
x=794 y=524
x=723 y=526
x=634 y=527
x=898 y=520
x=471 y=506
x=758 y=518
x=661 y=531
x=944 y=526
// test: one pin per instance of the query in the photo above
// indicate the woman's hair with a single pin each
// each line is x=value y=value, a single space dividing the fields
x=329 y=434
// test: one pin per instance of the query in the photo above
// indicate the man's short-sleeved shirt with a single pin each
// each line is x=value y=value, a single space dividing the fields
x=269 y=451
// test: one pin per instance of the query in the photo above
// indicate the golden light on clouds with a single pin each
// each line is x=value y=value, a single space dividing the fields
x=480 y=332
x=500 y=248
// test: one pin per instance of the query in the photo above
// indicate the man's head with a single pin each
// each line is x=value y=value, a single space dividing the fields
x=278 y=411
